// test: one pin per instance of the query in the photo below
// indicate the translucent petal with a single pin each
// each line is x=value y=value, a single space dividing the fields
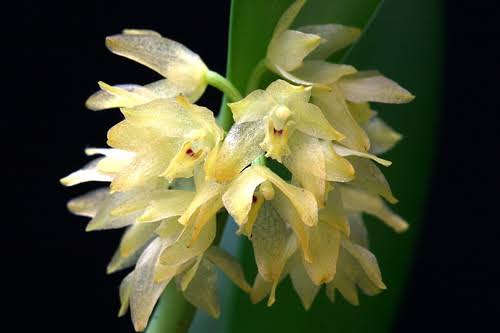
x=184 y=280
x=174 y=204
x=145 y=291
x=239 y=149
x=302 y=200
x=333 y=214
x=344 y=151
x=370 y=178
x=307 y=164
x=140 y=32
x=87 y=174
x=289 y=49
x=140 y=200
x=359 y=233
x=88 y=204
x=206 y=214
x=238 y=198
x=204 y=194
x=361 y=112
x=229 y=265
x=273 y=244
x=345 y=286
x=335 y=109
x=260 y=289
x=202 y=291
x=310 y=120
x=356 y=200
x=338 y=169
x=171 y=59
x=122 y=95
x=319 y=71
x=335 y=36
x=302 y=284
x=131 y=137
x=125 y=290
x=371 y=86
x=253 y=107
x=286 y=94
x=324 y=247
x=288 y=16
x=114 y=161
x=184 y=249
x=382 y=136
x=366 y=260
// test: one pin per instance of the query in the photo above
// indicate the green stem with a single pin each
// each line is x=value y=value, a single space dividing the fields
x=218 y=81
x=256 y=76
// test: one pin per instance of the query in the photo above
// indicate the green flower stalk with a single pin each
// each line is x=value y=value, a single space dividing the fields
x=171 y=172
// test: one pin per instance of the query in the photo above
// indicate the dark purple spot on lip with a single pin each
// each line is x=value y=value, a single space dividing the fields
x=277 y=132
x=254 y=199
x=190 y=152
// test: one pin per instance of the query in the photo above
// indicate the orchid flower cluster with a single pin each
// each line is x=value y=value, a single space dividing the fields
x=173 y=170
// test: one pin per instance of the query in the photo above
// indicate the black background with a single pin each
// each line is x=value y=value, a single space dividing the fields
x=52 y=56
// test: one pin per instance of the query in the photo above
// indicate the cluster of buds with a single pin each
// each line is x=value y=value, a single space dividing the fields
x=172 y=169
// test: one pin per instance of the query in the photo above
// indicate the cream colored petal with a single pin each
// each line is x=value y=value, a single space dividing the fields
x=370 y=178
x=229 y=265
x=275 y=141
x=361 y=112
x=169 y=58
x=140 y=200
x=366 y=260
x=273 y=244
x=359 y=233
x=333 y=214
x=382 y=136
x=184 y=161
x=118 y=263
x=338 y=169
x=188 y=275
x=206 y=214
x=88 y=204
x=307 y=165
x=118 y=96
x=356 y=200
x=125 y=290
x=114 y=161
x=89 y=173
x=130 y=137
x=345 y=286
x=289 y=49
x=239 y=149
x=260 y=289
x=238 y=198
x=335 y=36
x=371 y=86
x=140 y=32
x=253 y=107
x=175 y=204
x=302 y=200
x=144 y=290
x=286 y=94
x=335 y=110
x=288 y=16
x=302 y=284
x=203 y=195
x=324 y=246
x=202 y=291
x=319 y=71
x=344 y=151
x=184 y=249
x=310 y=120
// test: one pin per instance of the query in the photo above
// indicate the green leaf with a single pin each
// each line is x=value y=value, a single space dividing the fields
x=404 y=42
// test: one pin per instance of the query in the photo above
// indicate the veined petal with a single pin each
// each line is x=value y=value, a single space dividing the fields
x=169 y=58
x=356 y=200
x=324 y=246
x=302 y=200
x=145 y=291
x=382 y=136
x=239 y=197
x=371 y=179
x=323 y=72
x=335 y=109
x=239 y=149
x=286 y=94
x=229 y=265
x=344 y=151
x=371 y=86
x=289 y=49
x=302 y=284
x=335 y=37
x=366 y=260
x=310 y=120
x=202 y=290
x=253 y=107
